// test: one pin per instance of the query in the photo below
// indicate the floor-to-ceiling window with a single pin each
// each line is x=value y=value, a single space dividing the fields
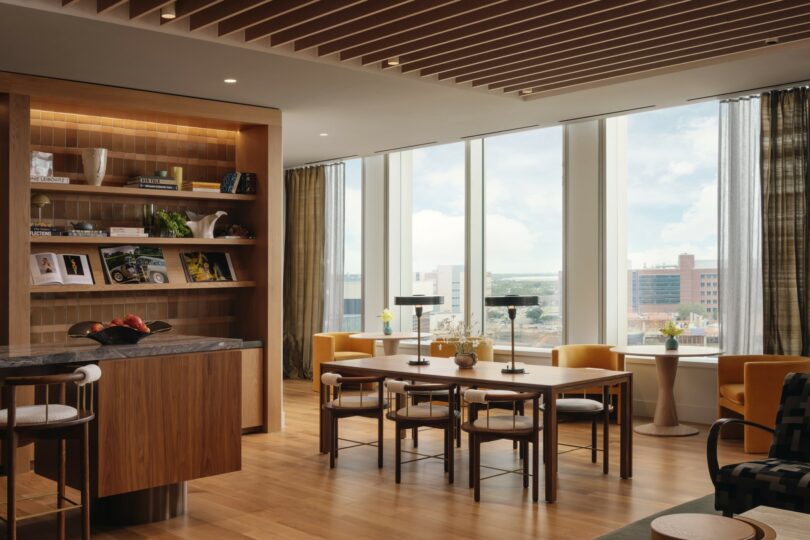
x=672 y=157
x=523 y=201
x=353 y=247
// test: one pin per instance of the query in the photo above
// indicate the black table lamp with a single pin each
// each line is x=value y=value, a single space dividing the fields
x=512 y=302
x=418 y=300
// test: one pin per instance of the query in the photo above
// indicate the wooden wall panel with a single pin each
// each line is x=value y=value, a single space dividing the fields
x=252 y=389
x=167 y=419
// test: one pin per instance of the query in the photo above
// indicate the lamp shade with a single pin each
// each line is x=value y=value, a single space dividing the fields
x=418 y=300
x=512 y=300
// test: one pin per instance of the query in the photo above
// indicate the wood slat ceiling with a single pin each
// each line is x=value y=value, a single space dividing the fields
x=518 y=47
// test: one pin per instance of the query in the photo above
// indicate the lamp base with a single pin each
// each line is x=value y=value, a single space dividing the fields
x=418 y=362
x=513 y=370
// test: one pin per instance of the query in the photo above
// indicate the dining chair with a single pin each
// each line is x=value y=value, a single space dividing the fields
x=516 y=427
x=407 y=415
x=53 y=420
x=337 y=406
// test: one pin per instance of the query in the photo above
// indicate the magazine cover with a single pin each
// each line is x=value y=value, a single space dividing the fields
x=134 y=264
x=60 y=269
x=201 y=266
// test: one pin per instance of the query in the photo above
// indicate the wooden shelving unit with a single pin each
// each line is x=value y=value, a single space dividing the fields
x=152 y=241
x=114 y=191
x=144 y=132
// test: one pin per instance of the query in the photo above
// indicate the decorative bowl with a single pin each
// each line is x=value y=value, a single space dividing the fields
x=466 y=361
x=116 y=335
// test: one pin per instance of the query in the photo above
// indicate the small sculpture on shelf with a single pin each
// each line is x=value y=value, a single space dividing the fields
x=203 y=226
x=94 y=161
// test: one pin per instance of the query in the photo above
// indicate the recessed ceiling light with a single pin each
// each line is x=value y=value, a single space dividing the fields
x=323 y=134
x=526 y=92
x=771 y=41
x=168 y=12
x=229 y=81
x=392 y=61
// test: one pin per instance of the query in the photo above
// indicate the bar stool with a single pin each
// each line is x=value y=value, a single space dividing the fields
x=515 y=427
x=23 y=425
x=337 y=406
x=409 y=416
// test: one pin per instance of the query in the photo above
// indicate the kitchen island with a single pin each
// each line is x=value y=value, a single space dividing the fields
x=168 y=410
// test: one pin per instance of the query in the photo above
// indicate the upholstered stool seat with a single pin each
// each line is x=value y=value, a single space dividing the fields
x=769 y=482
x=504 y=423
x=355 y=402
x=40 y=414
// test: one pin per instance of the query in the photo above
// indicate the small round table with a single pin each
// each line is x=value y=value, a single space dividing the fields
x=665 y=423
x=700 y=527
x=390 y=341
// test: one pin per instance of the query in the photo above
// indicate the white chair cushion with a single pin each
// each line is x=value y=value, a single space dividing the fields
x=504 y=423
x=354 y=402
x=397 y=387
x=479 y=396
x=424 y=410
x=35 y=414
x=578 y=405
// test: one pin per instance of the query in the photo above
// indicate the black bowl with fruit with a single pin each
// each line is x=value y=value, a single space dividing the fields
x=127 y=331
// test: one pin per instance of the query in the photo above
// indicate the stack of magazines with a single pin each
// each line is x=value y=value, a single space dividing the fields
x=152 y=182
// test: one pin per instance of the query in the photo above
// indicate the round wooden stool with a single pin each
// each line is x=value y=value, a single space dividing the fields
x=700 y=527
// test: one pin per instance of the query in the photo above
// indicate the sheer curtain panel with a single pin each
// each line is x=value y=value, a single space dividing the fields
x=334 y=240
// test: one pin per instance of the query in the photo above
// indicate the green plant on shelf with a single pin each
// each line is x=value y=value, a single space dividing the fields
x=172 y=224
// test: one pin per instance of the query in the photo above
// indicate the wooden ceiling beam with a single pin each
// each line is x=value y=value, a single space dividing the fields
x=220 y=12
x=661 y=52
x=105 y=5
x=348 y=15
x=392 y=15
x=260 y=14
x=649 y=36
x=187 y=8
x=505 y=27
x=601 y=74
x=444 y=12
x=294 y=18
x=584 y=34
x=139 y=8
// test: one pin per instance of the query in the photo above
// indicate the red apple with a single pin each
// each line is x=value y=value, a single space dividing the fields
x=96 y=327
x=116 y=322
x=144 y=329
x=133 y=321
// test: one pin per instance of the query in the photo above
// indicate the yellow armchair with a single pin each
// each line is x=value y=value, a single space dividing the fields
x=445 y=349
x=749 y=387
x=330 y=346
x=590 y=356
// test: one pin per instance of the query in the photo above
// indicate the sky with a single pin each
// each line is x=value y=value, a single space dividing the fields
x=671 y=196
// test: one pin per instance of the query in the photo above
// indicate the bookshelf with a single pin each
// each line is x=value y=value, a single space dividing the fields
x=143 y=132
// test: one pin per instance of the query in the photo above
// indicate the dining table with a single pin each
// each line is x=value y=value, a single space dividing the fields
x=548 y=381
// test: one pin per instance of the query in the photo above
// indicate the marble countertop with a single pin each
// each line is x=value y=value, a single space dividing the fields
x=85 y=350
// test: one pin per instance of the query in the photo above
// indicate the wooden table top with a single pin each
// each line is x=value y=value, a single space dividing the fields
x=484 y=373
x=658 y=350
x=382 y=337
x=700 y=527
x=787 y=525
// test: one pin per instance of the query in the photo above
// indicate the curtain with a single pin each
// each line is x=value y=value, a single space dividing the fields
x=305 y=197
x=334 y=237
x=785 y=234
x=740 y=228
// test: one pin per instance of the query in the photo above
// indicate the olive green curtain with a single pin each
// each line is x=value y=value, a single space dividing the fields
x=305 y=193
x=785 y=222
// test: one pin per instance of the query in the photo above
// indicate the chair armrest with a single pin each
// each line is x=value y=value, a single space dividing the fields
x=711 y=442
x=763 y=388
x=361 y=345
x=323 y=348
x=731 y=369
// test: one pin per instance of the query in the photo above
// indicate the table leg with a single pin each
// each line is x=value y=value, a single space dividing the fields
x=626 y=429
x=550 y=443
x=390 y=346
x=321 y=401
x=665 y=422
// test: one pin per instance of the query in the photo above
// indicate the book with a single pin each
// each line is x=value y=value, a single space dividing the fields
x=87 y=234
x=127 y=230
x=196 y=184
x=205 y=266
x=43 y=230
x=205 y=190
x=132 y=264
x=50 y=179
x=239 y=182
x=171 y=187
x=129 y=235
x=60 y=269
x=165 y=180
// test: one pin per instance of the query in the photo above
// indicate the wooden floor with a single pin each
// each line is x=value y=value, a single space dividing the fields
x=286 y=490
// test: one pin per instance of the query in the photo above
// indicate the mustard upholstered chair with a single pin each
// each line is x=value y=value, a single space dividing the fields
x=749 y=387
x=330 y=346
x=446 y=349
x=589 y=356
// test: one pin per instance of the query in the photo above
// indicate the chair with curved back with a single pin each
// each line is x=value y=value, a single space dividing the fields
x=748 y=387
x=336 y=346
x=22 y=425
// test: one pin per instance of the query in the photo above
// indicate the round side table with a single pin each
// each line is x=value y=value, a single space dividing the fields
x=665 y=422
x=390 y=341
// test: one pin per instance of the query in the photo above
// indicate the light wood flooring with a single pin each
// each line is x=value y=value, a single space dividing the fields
x=286 y=490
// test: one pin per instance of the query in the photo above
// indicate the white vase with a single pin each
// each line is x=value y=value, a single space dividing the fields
x=94 y=161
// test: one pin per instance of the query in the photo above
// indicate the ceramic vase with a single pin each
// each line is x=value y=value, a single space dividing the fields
x=94 y=161
x=387 y=329
x=671 y=344
x=466 y=360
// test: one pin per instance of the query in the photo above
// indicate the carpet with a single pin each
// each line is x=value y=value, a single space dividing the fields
x=640 y=529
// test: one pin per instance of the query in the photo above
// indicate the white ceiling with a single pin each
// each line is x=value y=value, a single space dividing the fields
x=363 y=112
